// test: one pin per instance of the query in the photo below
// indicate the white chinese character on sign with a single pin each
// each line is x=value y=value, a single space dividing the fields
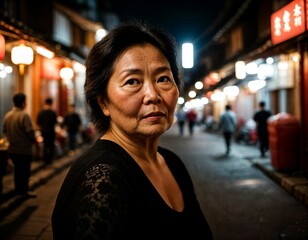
x=286 y=21
x=297 y=15
x=277 y=26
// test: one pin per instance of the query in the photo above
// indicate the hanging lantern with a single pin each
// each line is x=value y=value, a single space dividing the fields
x=22 y=54
x=2 y=47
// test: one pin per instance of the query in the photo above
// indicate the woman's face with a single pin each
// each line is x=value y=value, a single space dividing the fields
x=142 y=93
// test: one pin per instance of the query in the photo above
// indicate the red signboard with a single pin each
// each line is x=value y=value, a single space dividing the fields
x=2 y=47
x=307 y=14
x=288 y=21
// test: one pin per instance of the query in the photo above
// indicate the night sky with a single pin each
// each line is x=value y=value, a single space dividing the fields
x=186 y=22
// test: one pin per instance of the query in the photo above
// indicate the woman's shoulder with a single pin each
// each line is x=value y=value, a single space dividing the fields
x=101 y=161
x=103 y=151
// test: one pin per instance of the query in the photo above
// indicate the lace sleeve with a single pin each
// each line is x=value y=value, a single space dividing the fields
x=102 y=203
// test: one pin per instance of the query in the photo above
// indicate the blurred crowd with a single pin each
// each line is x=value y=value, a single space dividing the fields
x=51 y=136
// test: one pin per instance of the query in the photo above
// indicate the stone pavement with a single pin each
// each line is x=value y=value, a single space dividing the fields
x=15 y=211
x=294 y=183
x=40 y=174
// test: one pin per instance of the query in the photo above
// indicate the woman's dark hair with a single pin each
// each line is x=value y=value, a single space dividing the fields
x=100 y=61
x=19 y=99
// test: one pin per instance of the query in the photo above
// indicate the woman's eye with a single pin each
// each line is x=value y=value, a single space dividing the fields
x=164 y=79
x=131 y=82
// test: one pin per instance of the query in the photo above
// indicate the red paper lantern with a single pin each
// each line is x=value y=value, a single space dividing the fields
x=2 y=47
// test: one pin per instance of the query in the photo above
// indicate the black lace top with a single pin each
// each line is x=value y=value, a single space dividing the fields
x=106 y=195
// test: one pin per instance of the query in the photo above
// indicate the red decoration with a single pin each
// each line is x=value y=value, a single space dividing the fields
x=2 y=47
x=288 y=22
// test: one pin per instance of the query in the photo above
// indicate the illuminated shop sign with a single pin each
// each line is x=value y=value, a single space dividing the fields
x=288 y=21
x=306 y=14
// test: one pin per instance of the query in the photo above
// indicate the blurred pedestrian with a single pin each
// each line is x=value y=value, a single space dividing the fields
x=126 y=186
x=181 y=118
x=227 y=124
x=72 y=124
x=191 y=117
x=209 y=122
x=260 y=117
x=19 y=131
x=47 y=120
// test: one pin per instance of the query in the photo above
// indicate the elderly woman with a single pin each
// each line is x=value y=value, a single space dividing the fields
x=126 y=186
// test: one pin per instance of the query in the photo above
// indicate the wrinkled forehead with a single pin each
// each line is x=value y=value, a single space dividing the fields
x=140 y=54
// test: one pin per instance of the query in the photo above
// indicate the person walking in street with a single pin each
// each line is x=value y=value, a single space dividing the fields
x=181 y=118
x=47 y=120
x=260 y=117
x=227 y=123
x=72 y=124
x=126 y=186
x=191 y=118
x=19 y=131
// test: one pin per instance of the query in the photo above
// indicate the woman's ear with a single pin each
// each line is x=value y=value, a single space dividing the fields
x=103 y=106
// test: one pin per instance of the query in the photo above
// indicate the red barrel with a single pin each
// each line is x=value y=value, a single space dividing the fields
x=284 y=140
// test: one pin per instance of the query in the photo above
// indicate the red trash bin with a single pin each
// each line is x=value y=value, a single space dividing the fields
x=284 y=140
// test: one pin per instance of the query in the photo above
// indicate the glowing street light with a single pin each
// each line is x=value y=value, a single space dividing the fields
x=187 y=55
x=199 y=85
x=256 y=85
x=66 y=73
x=100 y=33
x=192 y=94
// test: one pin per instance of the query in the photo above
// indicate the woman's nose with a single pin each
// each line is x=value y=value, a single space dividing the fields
x=151 y=93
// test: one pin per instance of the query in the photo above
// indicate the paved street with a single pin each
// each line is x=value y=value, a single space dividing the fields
x=30 y=218
x=239 y=201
